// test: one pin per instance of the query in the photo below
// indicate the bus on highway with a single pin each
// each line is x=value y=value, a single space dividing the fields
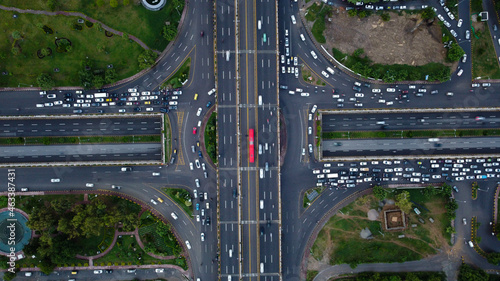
x=251 y=148
x=101 y=95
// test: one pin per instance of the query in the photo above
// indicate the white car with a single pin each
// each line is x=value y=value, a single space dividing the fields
x=295 y=61
x=460 y=21
x=391 y=90
x=447 y=23
x=202 y=236
x=464 y=58
x=51 y=96
x=440 y=17
x=156 y=174
x=359 y=95
x=313 y=109
x=48 y=104
x=188 y=245
x=467 y=34
x=203 y=167
x=358 y=105
x=131 y=90
x=191 y=166
x=304 y=94
x=198 y=113
x=154 y=202
x=149 y=109
x=58 y=102
x=197 y=162
x=134 y=94
x=293 y=19
x=460 y=72
x=296 y=72
x=451 y=16
x=313 y=54
x=376 y=91
x=389 y=103
x=302 y=37
x=454 y=33
x=121 y=110
x=55 y=180
x=325 y=74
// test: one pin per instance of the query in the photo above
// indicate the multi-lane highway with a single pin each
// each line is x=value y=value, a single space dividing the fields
x=81 y=153
x=410 y=121
x=91 y=126
x=253 y=205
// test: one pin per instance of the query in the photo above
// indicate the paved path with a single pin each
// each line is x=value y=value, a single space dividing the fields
x=495 y=205
x=436 y=263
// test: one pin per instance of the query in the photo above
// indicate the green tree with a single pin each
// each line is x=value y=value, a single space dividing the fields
x=16 y=35
x=52 y=5
x=45 y=81
x=113 y=3
x=358 y=52
x=169 y=32
x=362 y=14
x=98 y=81
x=403 y=201
x=385 y=17
x=7 y=276
x=147 y=59
x=455 y=52
x=15 y=50
x=429 y=191
x=493 y=258
x=41 y=219
x=352 y=13
x=99 y=3
x=45 y=52
x=126 y=2
x=379 y=192
x=47 y=266
x=428 y=13
x=469 y=273
x=110 y=75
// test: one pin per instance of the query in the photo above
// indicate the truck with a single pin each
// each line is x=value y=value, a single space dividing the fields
x=101 y=95
x=332 y=175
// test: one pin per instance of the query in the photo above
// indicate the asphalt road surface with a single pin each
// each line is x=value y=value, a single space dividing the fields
x=413 y=146
x=81 y=152
x=410 y=121
x=93 y=126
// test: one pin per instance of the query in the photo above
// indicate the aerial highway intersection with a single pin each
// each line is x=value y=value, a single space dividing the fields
x=277 y=136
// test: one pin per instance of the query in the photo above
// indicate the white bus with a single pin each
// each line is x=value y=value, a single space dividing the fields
x=101 y=95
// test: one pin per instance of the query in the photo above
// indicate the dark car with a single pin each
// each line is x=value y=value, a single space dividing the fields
x=207 y=220
x=77 y=111
x=68 y=95
x=209 y=104
x=120 y=103
x=113 y=95
x=164 y=110
x=356 y=88
x=123 y=99
x=136 y=103
x=138 y=109
x=109 y=271
x=172 y=107
x=69 y=99
x=124 y=94
x=199 y=154
x=262 y=231
x=156 y=102
x=202 y=33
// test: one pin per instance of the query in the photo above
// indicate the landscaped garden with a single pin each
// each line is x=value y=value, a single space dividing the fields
x=182 y=197
x=367 y=231
x=67 y=226
x=181 y=76
x=211 y=137
x=50 y=51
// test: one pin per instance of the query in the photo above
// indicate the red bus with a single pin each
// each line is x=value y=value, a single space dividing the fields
x=251 y=146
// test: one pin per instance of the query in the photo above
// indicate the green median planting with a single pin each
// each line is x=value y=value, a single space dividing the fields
x=411 y=134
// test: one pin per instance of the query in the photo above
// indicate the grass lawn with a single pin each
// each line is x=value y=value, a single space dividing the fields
x=339 y=241
x=181 y=197
x=181 y=75
x=90 y=43
x=133 y=19
x=211 y=137
x=311 y=274
x=310 y=77
x=484 y=59
x=410 y=134
x=92 y=245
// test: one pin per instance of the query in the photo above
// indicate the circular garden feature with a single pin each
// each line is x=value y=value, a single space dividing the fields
x=13 y=228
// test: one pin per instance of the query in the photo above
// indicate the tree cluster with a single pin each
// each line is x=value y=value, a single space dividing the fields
x=403 y=276
x=45 y=81
x=62 y=224
x=469 y=273
x=455 y=52
x=147 y=59
x=95 y=78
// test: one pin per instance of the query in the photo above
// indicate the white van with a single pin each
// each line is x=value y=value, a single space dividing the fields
x=261 y=173
x=293 y=19
x=259 y=25
x=261 y=267
x=260 y=149
x=260 y=100
x=261 y=204
x=211 y=92
x=227 y=55
x=230 y=253
x=329 y=69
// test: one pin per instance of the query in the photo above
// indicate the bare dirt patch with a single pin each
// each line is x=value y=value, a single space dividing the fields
x=405 y=39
